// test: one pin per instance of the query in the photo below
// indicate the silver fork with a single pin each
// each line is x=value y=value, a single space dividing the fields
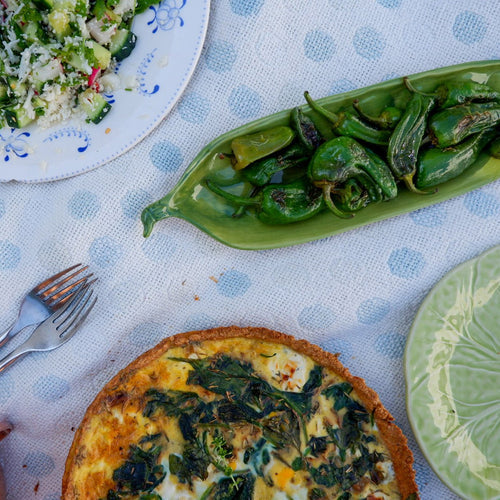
x=57 y=328
x=46 y=298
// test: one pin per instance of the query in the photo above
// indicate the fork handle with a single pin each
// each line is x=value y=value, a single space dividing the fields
x=4 y=336
x=15 y=328
x=13 y=356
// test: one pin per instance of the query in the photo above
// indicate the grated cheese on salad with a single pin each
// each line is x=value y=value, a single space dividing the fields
x=57 y=57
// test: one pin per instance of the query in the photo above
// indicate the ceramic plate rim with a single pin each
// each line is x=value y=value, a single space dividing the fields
x=408 y=403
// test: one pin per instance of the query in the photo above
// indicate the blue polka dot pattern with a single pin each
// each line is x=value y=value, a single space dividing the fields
x=342 y=85
x=105 y=252
x=220 y=56
x=199 y=322
x=406 y=263
x=147 y=334
x=244 y=102
x=373 y=310
x=10 y=255
x=6 y=387
x=50 y=388
x=166 y=157
x=2 y=208
x=432 y=216
x=83 y=205
x=391 y=345
x=159 y=247
x=194 y=108
x=369 y=43
x=390 y=4
x=319 y=46
x=316 y=317
x=246 y=7
x=134 y=202
x=481 y=204
x=340 y=346
x=233 y=283
x=469 y=27
x=38 y=464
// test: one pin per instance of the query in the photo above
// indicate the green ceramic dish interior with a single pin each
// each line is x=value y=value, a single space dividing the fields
x=452 y=368
x=191 y=201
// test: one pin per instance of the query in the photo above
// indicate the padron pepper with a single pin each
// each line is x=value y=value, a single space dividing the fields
x=307 y=132
x=495 y=148
x=436 y=165
x=279 y=203
x=406 y=139
x=352 y=197
x=349 y=124
x=452 y=125
x=253 y=147
x=457 y=92
x=336 y=162
x=388 y=118
x=260 y=172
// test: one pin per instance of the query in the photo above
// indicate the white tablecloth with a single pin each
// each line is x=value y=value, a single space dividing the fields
x=356 y=293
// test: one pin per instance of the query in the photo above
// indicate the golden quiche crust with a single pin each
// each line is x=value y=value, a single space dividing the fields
x=114 y=398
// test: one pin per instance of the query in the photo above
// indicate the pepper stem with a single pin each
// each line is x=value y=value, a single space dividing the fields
x=329 y=115
x=327 y=195
x=408 y=180
x=414 y=90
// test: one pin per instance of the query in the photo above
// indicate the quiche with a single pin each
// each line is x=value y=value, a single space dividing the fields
x=238 y=413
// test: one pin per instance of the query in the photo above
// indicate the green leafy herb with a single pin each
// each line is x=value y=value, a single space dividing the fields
x=139 y=474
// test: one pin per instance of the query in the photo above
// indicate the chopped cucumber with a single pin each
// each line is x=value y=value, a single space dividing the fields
x=102 y=55
x=17 y=118
x=122 y=44
x=59 y=19
x=44 y=4
x=4 y=93
x=94 y=105
x=18 y=89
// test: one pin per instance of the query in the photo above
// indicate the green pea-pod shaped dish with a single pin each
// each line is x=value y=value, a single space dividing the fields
x=192 y=201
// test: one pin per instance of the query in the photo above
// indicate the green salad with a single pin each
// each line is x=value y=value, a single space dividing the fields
x=58 y=56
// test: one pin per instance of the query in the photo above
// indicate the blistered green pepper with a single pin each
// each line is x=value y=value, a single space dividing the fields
x=352 y=197
x=279 y=203
x=453 y=125
x=307 y=132
x=253 y=147
x=387 y=119
x=260 y=172
x=341 y=159
x=495 y=148
x=348 y=124
x=406 y=139
x=459 y=92
x=436 y=166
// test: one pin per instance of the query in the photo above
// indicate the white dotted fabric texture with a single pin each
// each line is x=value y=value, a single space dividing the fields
x=356 y=293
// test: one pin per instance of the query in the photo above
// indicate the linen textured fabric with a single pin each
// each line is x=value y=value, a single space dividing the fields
x=356 y=293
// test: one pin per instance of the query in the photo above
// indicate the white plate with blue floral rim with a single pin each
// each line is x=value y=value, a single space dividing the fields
x=452 y=364
x=170 y=37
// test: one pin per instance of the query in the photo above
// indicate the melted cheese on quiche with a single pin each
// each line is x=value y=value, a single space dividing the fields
x=314 y=457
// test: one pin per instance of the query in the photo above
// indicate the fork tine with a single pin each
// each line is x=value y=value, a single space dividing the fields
x=48 y=281
x=74 y=289
x=56 y=283
x=81 y=302
x=68 y=308
x=80 y=317
x=65 y=294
